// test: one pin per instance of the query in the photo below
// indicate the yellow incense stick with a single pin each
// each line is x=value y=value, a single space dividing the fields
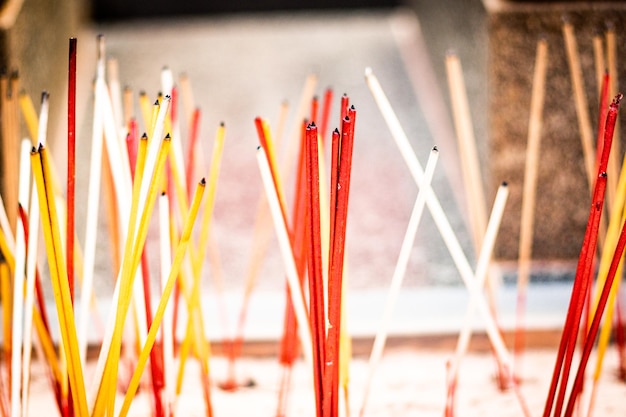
x=132 y=257
x=58 y=273
x=167 y=291
x=195 y=321
x=5 y=298
x=47 y=345
x=6 y=252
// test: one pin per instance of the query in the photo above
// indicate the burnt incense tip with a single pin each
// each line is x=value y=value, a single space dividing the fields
x=618 y=98
x=168 y=97
x=162 y=193
x=41 y=147
x=312 y=125
x=504 y=184
x=222 y=124
x=203 y=181
x=156 y=102
x=258 y=147
x=144 y=136
x=142 y=93
x=168 y=137
x=33 y=150
x=435 y=149
x=44 y=96
x=336 y=131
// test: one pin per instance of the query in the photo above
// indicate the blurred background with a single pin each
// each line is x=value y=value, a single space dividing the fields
x=245 y=58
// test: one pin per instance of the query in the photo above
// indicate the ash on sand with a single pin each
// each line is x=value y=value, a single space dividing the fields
x=407 y=383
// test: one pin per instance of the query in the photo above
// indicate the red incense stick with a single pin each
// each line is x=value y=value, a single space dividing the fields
x=314 y=262
x=583 y=276
x=289 y=347
x=595 y=324
x=71 y=163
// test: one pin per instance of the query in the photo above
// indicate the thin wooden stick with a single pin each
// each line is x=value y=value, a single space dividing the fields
x=467 y=149
x=580 y=100
x=612 y=61
x=398 y=275
x=531 y=173
x=71 y=164
x=317 y=312
x=599 y=61
x=167 y=291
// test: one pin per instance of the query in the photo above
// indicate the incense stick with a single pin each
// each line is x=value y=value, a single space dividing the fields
x=580 y=100
x=290 y=267
x=467 y=149
x=167 y=291
x=480 y=276
x=41 y=172
x=439 y=216
x=398 y=274
x=18 y=284
x=71 y=164
x=529 y=195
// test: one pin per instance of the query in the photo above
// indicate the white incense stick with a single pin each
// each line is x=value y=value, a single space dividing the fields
x=297 y=296
x=482 y=268
x=91 y=229
x=18 y=282
x=439 y=216
x=398 y=274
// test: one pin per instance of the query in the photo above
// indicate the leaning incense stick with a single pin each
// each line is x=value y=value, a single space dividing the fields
x=580 y=101
x=612 y=60
x=598 y=60
x=71 y=164
x=290 y=267
x=529 y=194
x=467 y=149
x=398 y=274
x=482 y=267
x=167 y=291
x=439 y=216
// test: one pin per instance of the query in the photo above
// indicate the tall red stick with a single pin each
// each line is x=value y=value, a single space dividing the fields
x=71 y=162
x=314 y=262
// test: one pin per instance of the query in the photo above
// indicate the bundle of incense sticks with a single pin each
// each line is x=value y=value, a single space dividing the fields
x=139 y=172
